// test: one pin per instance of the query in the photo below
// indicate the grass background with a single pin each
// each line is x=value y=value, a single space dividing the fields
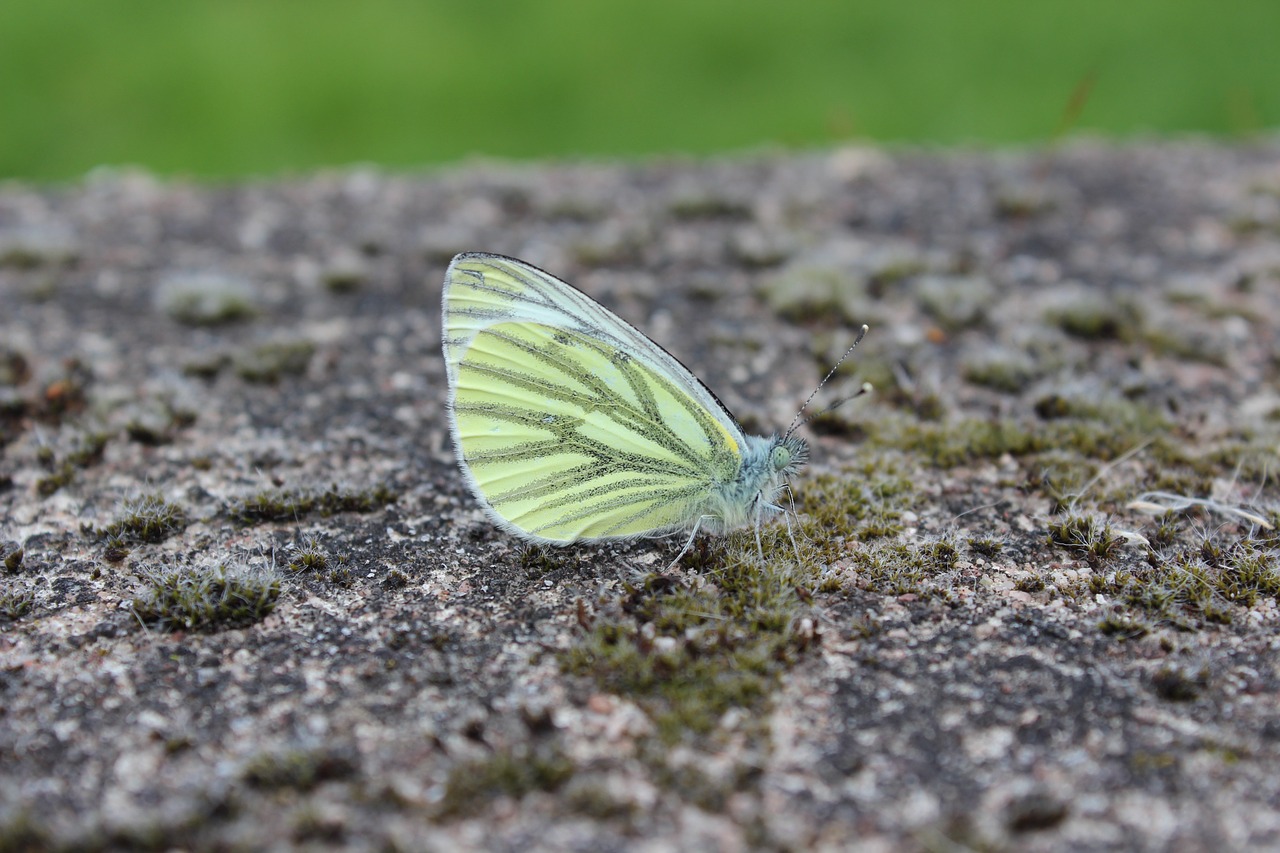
x=242 y=87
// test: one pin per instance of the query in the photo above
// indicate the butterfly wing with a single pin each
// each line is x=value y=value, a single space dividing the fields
x=569 y=423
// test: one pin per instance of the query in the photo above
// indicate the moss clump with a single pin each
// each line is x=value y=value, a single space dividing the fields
x=985 y=546
x=309 y=556
x=86 y=450
x=537 y=560
x=956 y=302
x=206 y=299
x=395 y=579
x=1095 y=318
x=949 y=444
x=1029 y=583
x=293 y=504
x=51 y=483
x=861 y=504
x=1183 y=588
x=816 y=293
x=14 y=604
x=900 y=568
x=689 y=652
x=473 y=785
x=271 y=362
x=20 y=831
x=299 y=769
x=14 y=367
x=206 y=365
x=342 y=576
x=1007 y=374
x=1087 y=535
x=157 y=424
x=1246 y=573
x=11 y=554
x=1123 y=626
x=206 y=599
x=1179 y=685
x=146 y=519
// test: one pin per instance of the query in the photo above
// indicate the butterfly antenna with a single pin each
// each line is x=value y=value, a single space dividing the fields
x=796 y=422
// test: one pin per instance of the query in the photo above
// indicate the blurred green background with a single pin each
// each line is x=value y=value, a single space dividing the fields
x=239 y=87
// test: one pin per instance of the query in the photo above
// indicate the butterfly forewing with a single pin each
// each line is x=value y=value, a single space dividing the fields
x=569 y=423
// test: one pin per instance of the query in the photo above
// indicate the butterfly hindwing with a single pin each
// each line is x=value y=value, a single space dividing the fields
x=569 y=423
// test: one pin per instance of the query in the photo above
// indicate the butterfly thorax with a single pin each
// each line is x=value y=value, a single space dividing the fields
x=751 y=496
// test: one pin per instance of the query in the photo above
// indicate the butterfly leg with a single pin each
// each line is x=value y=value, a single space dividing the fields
x=759 y=520
x=687 y=545
x=792 y=537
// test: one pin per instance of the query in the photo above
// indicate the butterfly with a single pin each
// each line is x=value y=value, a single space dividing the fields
x=571 y=425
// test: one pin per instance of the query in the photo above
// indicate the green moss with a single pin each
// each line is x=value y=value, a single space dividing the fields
x=342 y=576
x=1123 y=627
x=690 y=652
x=1023 y=201
x=206 y=365
x=293 y=504
x=862 y=503
x=471 y=786
x=49 y=484
x=14 y=604
x=11 y=554
x=314 y=827
x=395 y=579
x=206 y=599
x=32 y=247
x=146 y=519
x=1029 y=583
x=206 y=299
x=20 y=830
x=985 y=546
x=1247 y=573
x=816 y=293
x=1095 y=318
x=1004 y=373
x=586 y=796
x=86 y=450
x=308 y=556
x=956 y=302
x=707 y=203
x=692 y=785
x=961 y=441
x=1187 y=585
x=14 y=367
x=1178 y=684
x=271 y=362
x=1072 y=429
x=1176 y=343
x=298 y=769
x=902 y=568
x=156 y=423
x=1087 y=535
x=537 y=560
x=115 y=549
x=1166 y=531
x=345 y=274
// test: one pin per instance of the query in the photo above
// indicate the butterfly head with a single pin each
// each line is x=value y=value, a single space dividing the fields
x=788 y=455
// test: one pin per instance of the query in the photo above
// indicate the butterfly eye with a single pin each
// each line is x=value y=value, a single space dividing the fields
x=781 y=457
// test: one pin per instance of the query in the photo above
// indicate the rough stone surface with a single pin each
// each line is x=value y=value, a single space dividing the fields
x=1026 y=698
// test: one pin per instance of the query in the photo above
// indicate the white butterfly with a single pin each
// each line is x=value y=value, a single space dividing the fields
x=571 y=425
